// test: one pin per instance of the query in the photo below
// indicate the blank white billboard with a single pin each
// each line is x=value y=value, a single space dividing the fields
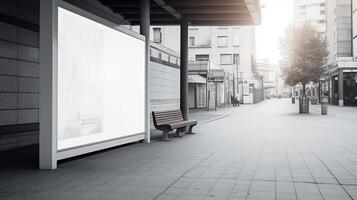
x=101 y=82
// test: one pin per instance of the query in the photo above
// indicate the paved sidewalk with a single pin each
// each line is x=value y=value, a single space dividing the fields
x=264 y=151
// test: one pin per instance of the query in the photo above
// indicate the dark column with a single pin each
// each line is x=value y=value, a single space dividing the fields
x=184 y=69
x=145 y=30
x=332 y=87
x=329 y=90
x=234 y=86
x=340 y=87
x=48 y=74
x=196 y=95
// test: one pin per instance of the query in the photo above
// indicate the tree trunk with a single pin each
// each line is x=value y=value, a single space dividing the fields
x=304 y=89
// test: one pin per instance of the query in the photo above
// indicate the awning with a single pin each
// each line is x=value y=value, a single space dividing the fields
x=196 y=79
x=203 y=68
x=196 y=12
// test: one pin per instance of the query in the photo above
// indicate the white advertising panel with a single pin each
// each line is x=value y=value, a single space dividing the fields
x=101 y=82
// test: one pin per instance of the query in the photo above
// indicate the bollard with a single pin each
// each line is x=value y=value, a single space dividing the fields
x=324 y=103
x=323 y=108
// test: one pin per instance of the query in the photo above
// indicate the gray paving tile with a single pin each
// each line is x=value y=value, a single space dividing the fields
x=305 y=157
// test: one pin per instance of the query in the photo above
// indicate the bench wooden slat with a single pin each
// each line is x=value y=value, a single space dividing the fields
x=169 y=120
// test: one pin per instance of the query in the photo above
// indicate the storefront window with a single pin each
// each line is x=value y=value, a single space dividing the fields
x=350 y=89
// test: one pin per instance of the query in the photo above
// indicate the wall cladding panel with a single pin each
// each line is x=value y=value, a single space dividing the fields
x=8 y=32
x=8 y=49
x=8 y=66
x=8 y=83
x=8 y=101
x=19 y=73
x=8 y=117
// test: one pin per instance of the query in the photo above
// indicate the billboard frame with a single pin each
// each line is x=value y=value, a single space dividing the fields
x=48 y=151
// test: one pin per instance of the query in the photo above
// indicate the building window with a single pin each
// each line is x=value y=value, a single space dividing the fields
x=322 y=12
x=202 y=57
x=191 y=41
x=236 y=39
x=226 y=59
x=157 y=35
x=235 y=58
x=322 y=4
x=222 y=41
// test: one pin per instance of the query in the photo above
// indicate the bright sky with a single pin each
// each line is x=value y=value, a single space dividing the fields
x=276 y=16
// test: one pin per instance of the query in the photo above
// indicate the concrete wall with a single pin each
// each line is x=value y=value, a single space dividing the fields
x=19 y=73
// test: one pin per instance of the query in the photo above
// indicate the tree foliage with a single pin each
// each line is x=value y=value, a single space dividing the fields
x=304 y=53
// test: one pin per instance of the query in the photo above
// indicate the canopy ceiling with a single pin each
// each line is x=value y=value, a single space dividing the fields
x=197 y=12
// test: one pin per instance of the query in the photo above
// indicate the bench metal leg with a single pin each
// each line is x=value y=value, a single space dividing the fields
x=190 y=129
x=179 y=132
x=165 y=135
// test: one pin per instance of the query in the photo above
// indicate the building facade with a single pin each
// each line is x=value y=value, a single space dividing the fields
x=231 y=48
x=340 y=82
x=311 y=11
x=334 y=20
x=270 y=78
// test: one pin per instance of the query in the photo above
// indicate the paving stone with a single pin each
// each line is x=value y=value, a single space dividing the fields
x=264 y=151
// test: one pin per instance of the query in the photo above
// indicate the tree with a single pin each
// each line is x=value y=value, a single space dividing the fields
x=303 y=55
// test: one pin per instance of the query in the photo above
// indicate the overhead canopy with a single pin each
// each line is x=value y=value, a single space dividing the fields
x=196 y=79
x=196 y=12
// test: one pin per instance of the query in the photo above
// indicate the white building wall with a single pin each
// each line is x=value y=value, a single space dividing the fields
x=206 y=43
x=339 y=29
x=354 y=20
x=170 y=37
x=247 y=44
x=313 y=11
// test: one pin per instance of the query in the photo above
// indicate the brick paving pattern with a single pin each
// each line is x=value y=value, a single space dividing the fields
x=264 y=151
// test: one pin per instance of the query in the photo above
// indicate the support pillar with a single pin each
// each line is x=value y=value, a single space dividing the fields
x=145 y=30
x=234 y=86
x=329 y=90
x=340 y=87
x=184 y=69
x=332 y=92
x=47 y=85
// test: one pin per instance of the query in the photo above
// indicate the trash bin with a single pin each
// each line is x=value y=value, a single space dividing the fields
x=324 y=103
x=293 y=100
x=323 y=108
x=304 y=103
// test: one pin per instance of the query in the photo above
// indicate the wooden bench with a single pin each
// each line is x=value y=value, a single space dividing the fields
x=167 y=121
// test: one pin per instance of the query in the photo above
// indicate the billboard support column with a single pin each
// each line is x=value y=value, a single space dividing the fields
x=145 y=30
x=184 y=68
x=47 y=85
